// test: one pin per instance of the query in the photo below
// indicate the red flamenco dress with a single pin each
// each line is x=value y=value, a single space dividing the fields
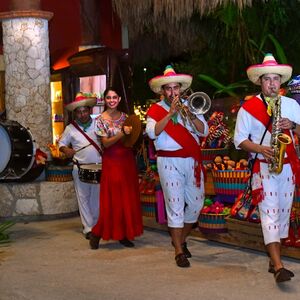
x=120 y=206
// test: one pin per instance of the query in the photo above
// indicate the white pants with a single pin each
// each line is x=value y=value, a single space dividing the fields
x=183 y=199
x=88 y=201
x=275 y=209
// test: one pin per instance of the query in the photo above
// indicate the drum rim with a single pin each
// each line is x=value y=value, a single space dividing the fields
x=84 y=166
x=3 y=173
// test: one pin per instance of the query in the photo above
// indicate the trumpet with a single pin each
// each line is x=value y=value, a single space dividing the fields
x=199 y=103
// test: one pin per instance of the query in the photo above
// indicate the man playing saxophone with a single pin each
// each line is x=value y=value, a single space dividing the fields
x=260 y=123
x=178 y=157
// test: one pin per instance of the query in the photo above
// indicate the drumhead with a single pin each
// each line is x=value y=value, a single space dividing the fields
x=94 y=167
x=17 y=152
x=5 y=148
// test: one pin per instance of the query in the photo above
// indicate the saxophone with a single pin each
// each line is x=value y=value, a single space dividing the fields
x=279 y=140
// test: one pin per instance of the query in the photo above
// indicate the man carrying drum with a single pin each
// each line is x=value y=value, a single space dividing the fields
x=80 y=142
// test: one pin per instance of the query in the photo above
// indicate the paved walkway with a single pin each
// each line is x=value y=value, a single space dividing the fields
x=51 y=260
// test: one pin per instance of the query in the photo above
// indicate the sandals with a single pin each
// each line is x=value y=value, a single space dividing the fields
x=272 y=270
x=282 y=275
x=185 y=249
x=182 y=261
x=94 y=241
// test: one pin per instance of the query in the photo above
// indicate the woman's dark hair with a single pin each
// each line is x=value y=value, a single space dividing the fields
x=110 y=88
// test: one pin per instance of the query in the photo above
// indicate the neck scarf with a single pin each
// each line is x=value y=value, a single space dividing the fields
x=85 y=126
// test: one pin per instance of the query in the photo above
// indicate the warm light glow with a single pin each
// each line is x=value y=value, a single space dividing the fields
x=57 y=113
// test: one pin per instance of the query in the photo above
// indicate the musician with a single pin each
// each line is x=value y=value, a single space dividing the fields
x=273 y=191
x=80 y=142
x=178 y=157
x=120 y=205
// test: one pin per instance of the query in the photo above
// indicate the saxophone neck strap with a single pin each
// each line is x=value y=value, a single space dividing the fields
x=258 y=109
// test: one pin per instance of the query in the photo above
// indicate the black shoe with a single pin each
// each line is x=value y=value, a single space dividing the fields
x=182 y=261
x=186 y=251
x=88 y=235
x=282 y=275
x=272 y=270
x=126 y=243
x=94 y=241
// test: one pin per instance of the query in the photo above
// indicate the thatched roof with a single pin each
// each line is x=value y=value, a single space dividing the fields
x=165 y=20
x=171 y=9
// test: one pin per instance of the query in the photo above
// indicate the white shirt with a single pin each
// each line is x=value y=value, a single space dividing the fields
x=71 y=136
x=249 y=127
x=163 y=141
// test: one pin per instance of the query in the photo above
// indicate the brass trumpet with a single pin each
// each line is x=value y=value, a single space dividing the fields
x=198 y=103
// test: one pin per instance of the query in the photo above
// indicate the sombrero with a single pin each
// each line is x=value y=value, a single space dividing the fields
x=268 y=66
x=169 y=77
x=81 y=99
x=130 y=139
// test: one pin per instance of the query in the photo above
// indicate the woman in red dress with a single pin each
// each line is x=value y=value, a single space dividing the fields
x=120 y=205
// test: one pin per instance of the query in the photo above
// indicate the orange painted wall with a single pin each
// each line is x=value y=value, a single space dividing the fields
x=65 y=32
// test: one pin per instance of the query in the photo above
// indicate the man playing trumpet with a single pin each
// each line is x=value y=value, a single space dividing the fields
x=272 y=189
x=178 y=157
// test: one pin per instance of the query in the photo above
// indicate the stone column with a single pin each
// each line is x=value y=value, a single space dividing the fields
x=27 y=68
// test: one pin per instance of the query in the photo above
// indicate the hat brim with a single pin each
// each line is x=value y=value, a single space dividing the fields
x=256 y=71
x=90 y=102
x=157 y=82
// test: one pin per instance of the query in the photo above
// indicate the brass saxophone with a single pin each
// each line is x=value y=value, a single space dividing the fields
x=279 y=140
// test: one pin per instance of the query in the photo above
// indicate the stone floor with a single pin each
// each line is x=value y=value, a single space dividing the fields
x=51 y=260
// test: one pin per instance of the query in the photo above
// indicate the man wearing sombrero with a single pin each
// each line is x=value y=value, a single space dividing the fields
x=178 y=157
x=79 y=141
x=273 y=191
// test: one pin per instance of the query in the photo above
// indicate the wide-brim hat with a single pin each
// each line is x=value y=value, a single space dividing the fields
x=170 y=76
x=81 y=100
x=129 y=140
x=269 y=66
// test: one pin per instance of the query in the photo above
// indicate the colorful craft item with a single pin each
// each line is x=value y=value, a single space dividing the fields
x=218 y=135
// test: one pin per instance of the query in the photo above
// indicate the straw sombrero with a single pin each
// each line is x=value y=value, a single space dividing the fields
x=169 y=77
x=269 y=66
x=81 y=99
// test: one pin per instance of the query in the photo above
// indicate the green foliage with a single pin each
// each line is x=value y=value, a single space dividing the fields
x=228 y=41
x=4 y=235
x=222 y=89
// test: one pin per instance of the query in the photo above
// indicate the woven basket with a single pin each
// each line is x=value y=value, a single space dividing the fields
x=229 y=184
x=296 y=202
x=212 y=223
x=209 y=188
x=210 y=154
x=148 y=205
x=59 y=173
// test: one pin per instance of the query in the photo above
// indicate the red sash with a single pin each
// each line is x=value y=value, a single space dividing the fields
x=181 y=135
x=86 y=136
x=257 y=109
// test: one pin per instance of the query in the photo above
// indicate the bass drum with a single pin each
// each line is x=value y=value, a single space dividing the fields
x=17 y=152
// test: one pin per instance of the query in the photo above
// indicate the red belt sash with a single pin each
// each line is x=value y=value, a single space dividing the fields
x=190 y=148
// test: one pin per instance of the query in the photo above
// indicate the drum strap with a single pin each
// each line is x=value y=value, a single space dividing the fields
x=87 y=137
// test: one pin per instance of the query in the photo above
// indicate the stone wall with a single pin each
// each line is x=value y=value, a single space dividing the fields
x=27 y=76
x=37 y=199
